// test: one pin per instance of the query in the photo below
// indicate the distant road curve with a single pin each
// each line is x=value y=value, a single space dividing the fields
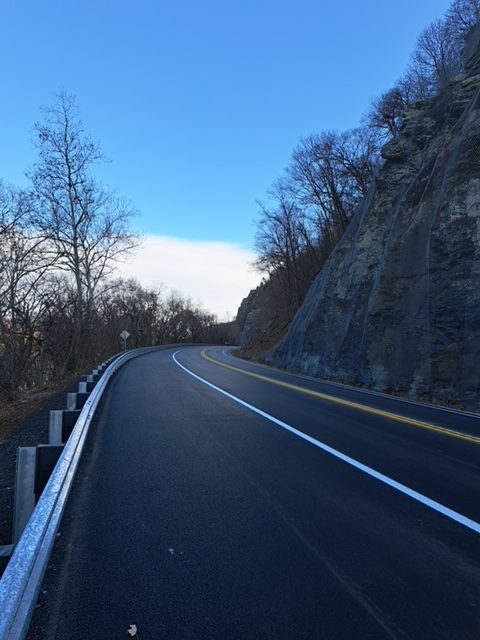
x=223 y=499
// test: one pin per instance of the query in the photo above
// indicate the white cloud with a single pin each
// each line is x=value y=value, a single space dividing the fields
x=216 y=275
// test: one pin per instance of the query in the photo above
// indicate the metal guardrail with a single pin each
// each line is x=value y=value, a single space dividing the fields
x=21 y=581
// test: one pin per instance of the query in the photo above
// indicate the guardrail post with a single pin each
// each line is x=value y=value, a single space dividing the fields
x=61 y=425
x=86 y=386
x=76 y=400
x=47 y=456
x=24 y=499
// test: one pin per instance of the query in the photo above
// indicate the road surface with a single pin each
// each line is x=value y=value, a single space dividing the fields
x=220 y=499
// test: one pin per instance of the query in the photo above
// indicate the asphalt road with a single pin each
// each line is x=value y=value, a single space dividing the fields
x=335 y=514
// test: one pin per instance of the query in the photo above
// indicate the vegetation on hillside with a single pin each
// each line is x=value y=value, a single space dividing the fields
x=60 y=239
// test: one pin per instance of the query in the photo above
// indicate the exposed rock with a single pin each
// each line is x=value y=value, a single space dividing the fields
x=397 y=305
x=259 y=323
x=247 y=316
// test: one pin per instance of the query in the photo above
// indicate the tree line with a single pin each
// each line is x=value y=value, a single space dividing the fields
x=309 y=207
x=61 y=309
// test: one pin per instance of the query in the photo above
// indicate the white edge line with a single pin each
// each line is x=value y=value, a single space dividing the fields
x=411 y=493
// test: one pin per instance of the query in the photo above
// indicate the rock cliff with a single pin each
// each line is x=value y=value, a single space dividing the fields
x=397 y=305
x=261 y=320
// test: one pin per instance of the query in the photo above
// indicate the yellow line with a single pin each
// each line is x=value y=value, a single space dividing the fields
x=348 y=403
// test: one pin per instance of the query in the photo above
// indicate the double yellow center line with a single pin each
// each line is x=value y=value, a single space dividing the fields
x=348 y=403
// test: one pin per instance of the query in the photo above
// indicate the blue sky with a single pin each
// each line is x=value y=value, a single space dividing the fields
x=199 y=104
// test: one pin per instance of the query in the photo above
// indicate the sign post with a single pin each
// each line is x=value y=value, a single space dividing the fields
x=124 y=336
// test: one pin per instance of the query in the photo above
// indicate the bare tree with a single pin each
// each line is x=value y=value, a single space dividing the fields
x=23 y=255
x=59 y=313
x=285 y=242
x=462 y=17
x=386 y=113
x=85 y=224
x=437 y=57
x=358 y=158
x=330 y=174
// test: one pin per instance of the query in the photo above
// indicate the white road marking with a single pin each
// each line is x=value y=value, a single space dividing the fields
x=411 y=493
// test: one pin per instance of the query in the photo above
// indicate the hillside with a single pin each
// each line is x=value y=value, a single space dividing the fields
x=396 y=306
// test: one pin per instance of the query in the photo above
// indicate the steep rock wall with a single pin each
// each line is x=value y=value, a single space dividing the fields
x=397 y=306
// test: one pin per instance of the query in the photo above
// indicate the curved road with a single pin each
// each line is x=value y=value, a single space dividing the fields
x=220 y=499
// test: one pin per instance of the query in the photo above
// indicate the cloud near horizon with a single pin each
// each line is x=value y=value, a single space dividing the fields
x=215 y=275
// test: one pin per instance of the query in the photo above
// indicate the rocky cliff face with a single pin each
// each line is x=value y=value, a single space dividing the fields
x=261 y=320
x=248 y=316
x=397 y=305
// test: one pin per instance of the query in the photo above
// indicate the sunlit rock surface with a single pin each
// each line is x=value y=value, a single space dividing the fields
x=397 y=306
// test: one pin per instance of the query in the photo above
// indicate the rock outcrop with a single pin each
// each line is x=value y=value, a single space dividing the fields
x=260 y=322
x=397 y=305
x=248 y=316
